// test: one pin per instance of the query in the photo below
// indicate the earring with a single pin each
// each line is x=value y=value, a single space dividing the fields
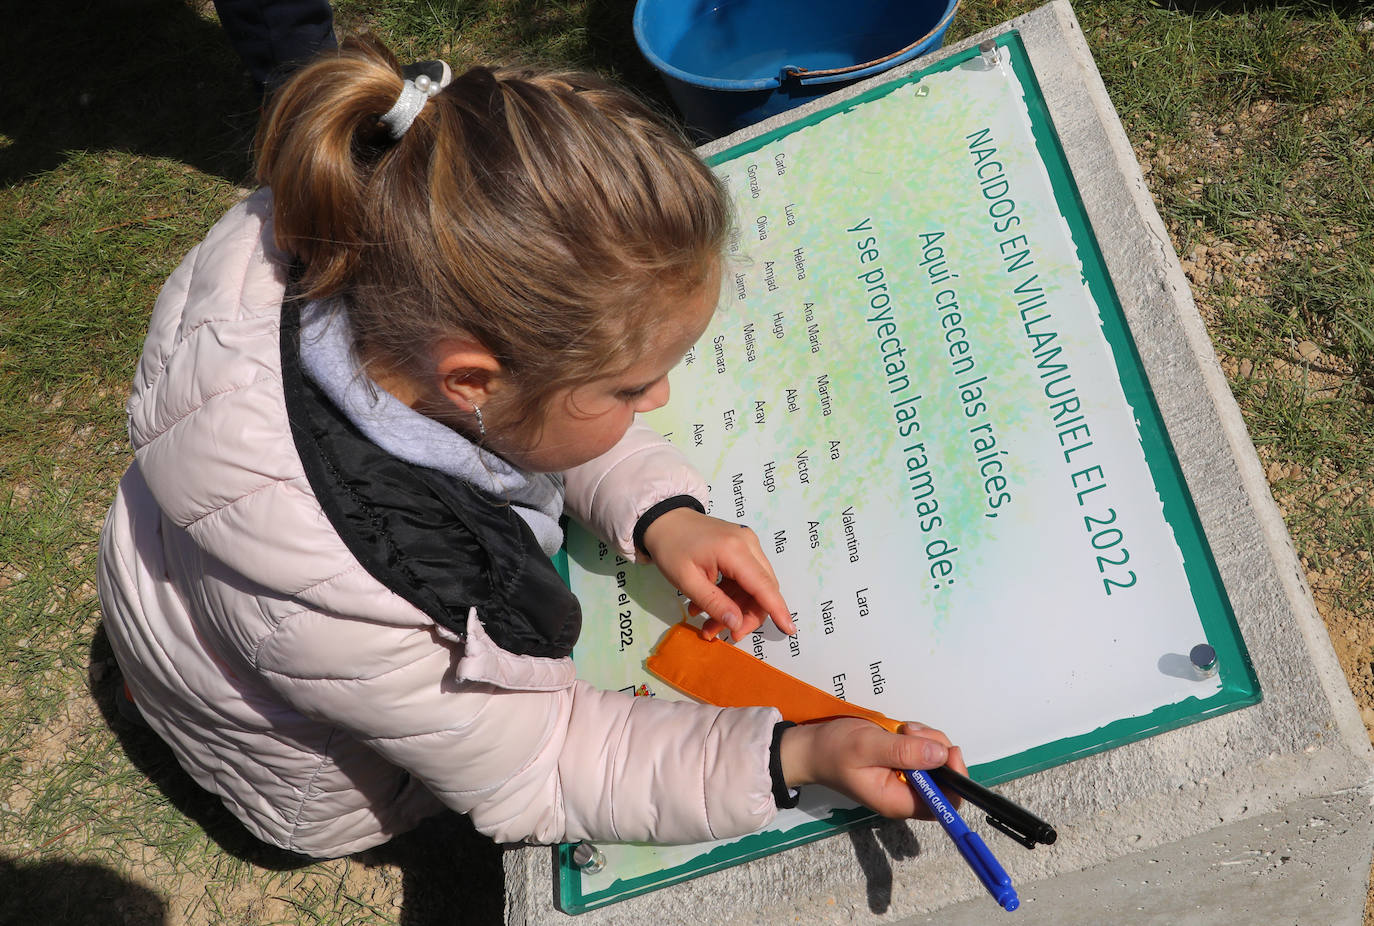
x=481 y=425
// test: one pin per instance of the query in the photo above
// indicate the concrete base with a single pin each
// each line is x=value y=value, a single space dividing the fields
x=1306 y=865
x=1262 y=815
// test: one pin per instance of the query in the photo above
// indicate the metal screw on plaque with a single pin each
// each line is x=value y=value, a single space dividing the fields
x=588 y=858
x=1204 y=660
x=988 y=49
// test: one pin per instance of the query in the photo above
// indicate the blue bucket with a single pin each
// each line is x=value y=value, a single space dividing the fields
x=731 y=63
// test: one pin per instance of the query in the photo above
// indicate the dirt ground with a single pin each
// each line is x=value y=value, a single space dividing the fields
x=1223 y=274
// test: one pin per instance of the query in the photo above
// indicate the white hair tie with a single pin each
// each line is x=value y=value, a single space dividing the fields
x=415 y=93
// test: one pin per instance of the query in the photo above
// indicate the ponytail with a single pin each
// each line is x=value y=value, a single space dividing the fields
x=318 y=147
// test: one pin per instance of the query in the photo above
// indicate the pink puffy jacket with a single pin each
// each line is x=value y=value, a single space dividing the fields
x=326 y=711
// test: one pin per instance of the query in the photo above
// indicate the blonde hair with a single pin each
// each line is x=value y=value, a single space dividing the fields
x=550 y=216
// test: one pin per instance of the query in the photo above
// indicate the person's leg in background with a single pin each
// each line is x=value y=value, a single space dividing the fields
x=273 y=37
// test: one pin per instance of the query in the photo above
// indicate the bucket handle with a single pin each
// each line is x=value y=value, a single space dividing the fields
x=806 y=75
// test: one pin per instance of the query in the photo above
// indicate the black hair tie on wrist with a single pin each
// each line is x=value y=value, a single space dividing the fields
x=783 y=796
x=658 y=511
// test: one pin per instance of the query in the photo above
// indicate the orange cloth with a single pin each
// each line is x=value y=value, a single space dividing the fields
x=718 y=673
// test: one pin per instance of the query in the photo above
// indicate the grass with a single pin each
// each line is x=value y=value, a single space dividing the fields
x=1255 y=125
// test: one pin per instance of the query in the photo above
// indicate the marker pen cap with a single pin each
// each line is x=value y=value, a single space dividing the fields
x=1204 y=660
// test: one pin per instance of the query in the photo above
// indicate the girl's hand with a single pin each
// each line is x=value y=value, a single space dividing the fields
x=862 y=761
x=692 y=549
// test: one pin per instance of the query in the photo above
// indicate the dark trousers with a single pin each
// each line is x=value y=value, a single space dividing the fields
x=273 y=37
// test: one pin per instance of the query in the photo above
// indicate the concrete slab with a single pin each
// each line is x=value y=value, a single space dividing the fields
x=1260 y=815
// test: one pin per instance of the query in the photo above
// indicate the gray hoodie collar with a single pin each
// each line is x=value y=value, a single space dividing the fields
x=328 y=359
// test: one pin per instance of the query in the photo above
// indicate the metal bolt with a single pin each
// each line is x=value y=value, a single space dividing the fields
x=1204 y=660
x=588 y=858
x=988 y=49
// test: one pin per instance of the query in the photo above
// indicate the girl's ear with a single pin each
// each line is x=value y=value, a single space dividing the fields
x=468 y=374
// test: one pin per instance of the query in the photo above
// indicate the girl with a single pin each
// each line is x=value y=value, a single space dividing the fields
x=364 y=402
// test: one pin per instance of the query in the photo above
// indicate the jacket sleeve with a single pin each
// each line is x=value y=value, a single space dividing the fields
x=609 y=493
x=548 y=760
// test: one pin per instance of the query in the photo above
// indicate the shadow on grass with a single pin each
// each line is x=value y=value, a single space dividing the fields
x=448 y=869
x=1345 y=9
x=74 y=894
x=154 y=78
x=148 y=77
x=610 y=26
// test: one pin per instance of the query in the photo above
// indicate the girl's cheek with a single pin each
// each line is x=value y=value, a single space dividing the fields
x=623 y=426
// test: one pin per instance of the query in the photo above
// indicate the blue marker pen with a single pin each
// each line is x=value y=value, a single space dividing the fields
x=969 y=843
